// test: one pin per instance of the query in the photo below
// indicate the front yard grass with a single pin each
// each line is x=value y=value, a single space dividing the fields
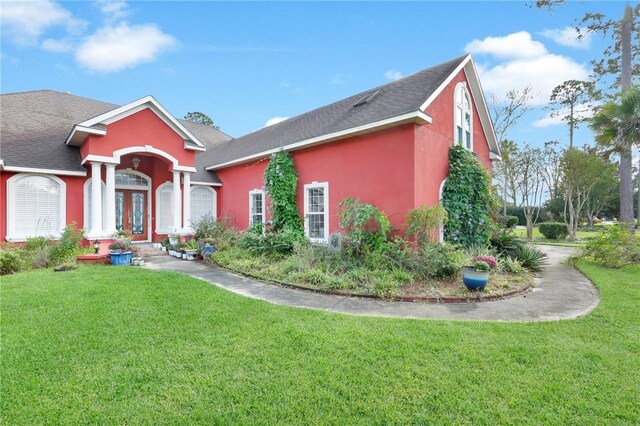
x=538 y=238
x=111 y=345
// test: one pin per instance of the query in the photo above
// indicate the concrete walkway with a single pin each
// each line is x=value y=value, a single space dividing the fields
x=560 y=293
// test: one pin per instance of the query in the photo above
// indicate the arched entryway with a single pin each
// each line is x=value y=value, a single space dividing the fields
x=133 y=203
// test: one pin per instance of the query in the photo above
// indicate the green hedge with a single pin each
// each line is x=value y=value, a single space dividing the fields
x=553 y=230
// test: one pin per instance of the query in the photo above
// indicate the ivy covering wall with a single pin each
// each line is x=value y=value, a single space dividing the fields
x=467 y=199
x=281 y=182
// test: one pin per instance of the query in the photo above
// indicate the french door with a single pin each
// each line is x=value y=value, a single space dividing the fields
x=131 y=212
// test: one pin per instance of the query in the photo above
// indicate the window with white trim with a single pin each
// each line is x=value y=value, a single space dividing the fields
x=203 y=202
x=130 y=178
x=88 y=206
x=316 y=211
x=164 y=208
x=256 y=206
x=463 y=118
x=36 y=206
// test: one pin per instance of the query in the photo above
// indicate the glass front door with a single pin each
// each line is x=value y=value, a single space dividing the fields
x=131 y=212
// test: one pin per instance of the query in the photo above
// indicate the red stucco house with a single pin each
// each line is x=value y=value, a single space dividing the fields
x=156 y=174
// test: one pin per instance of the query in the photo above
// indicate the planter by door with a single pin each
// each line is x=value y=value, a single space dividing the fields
x=474 y=280
x=131 y=212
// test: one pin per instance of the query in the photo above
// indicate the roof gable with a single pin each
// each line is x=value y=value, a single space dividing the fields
x=97 y=125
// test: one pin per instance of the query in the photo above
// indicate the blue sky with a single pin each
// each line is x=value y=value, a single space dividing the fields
x=247 y=63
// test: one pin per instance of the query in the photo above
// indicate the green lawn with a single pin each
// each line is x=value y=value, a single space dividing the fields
x=538 y=238
x=127 y=346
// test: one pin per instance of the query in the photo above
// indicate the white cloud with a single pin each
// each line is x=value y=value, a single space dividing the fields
x=26 y=21
x=512 y=46
x=115 y=48
x=569 y=36
x=393 y=75
x=58 y=46
x=523 y=62
x=581 y=112
x=113 y=9
x=275 y=120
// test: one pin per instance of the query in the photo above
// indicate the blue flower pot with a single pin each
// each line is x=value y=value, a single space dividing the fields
x=121 y=259
x=473 y=279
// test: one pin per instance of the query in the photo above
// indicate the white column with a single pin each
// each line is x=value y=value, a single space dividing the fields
x=186 y=201
x=96 y=200
x=177 y=202
x=110 y=201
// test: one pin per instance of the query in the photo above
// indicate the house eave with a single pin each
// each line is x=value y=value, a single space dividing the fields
x=417 y=117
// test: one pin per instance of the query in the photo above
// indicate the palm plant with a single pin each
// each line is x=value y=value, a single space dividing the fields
x=617 y=128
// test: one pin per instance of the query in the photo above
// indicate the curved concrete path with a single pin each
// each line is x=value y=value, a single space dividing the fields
x=560 y=293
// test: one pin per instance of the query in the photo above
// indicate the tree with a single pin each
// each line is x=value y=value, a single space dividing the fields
x=552 y=174
x=602 y=194
x=580 y=171
x=570 y=100
x=199 y=117
x=504 y=115
x=617 y=128
x=528 y=167
x=504 y=173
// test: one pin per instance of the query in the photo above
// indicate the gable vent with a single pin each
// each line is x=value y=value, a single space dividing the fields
x=366 y=98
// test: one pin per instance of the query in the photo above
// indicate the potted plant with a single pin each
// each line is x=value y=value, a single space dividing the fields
x=207 y=247
x=173 y=239
x=120 y=252
x=181 y=249
x=476 y=277
x=192 y=249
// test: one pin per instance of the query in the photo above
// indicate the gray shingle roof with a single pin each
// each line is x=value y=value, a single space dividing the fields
x=34 y=127
x=393 y=99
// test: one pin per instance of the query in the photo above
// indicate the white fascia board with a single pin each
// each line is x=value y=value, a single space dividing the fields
x=445 y=83
x=1 y=164
x=138 y=105
x=79 y=133
x=204 y=183
x=193 y=148
x=98 y=159
x=185 y=169
x=494 y=156
x=481 y=106
x=409 y=117
x=43 y=171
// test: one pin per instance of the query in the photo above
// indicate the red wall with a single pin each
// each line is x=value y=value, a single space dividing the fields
x=376 y=168
x=74 y=199
x=139 y=129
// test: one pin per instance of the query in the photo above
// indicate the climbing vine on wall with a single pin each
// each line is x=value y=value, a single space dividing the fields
x=467 y=199
x=281 y=182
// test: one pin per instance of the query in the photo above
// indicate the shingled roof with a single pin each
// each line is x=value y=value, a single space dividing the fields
x=390 y=100
x=34 y=126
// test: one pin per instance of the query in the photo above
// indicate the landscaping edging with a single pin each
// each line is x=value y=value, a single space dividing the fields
x=413 y=299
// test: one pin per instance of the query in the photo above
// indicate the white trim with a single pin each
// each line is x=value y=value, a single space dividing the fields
x=409 y=117
x=1 y=164
x=11 y=235
x=169 y=229
x=133 y=149
x=440 y=194
x=494 y=156
x=477 y=94
x=307 y=187
x=205 y=183
x=43 y=171
x=263 y=195
x=85 y=203
x=462 y=86
x=79 y=133
x=136 y=106
x=139 y=188
x=215 y=200
x=445 y=83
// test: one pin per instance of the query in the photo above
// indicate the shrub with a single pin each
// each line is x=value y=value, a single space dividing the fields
x=423 y=223
x=68 y=245
x=553 y=230
x=219 y=231
x=467 y=199
x=505 y=243
x=41 y=257
x=429 y=261
x=10 y=262
x=35 y=243
x=366 y=228
x=508 y=222
x=510 y=264
x=489 y=260
x=271 y=241
x=613 y=248
x=530 y=257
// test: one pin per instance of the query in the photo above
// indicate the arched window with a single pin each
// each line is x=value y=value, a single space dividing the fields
x=35 y=206
x=164 y=208
x=88 y=205
x=203 y=202
x=463 y=118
